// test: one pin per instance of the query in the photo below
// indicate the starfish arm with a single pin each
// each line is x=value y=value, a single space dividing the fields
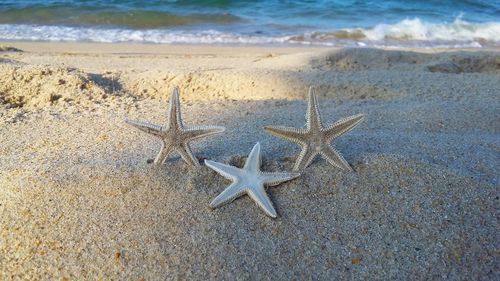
x=229 y=172
x=186 y=154
x=313 y=119
x=272 y=179
x=145 y=127
x=305 y=158
x=343 y=126
x=196 y=132
x=254 y=159
x=174 y=111
x=260 y=197
x=292 y=134
x=232 y=192
x=163 y=154
x=335 y=158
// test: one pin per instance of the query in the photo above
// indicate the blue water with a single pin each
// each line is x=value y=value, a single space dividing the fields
x=469 y=23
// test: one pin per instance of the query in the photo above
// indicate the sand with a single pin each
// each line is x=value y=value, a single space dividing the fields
x=79 y=199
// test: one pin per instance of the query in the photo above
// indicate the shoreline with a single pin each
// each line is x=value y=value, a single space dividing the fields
x=160 y=48
x=153 y=48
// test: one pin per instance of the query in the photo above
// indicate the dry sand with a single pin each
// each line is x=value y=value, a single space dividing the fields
x=79 y=200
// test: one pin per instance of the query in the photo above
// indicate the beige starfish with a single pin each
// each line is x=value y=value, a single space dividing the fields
x=316 y=139
x=249 y=180
x=176 y=137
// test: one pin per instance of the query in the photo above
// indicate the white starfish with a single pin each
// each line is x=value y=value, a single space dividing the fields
x=249 y=180
x=175 y=136
x=316 y=139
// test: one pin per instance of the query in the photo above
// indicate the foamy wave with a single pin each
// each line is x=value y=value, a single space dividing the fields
x=411 y=33
x=406 y=33
x=64 y=33
x=415 y=29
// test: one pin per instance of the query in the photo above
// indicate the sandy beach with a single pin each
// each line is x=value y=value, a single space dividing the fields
x=80 y=199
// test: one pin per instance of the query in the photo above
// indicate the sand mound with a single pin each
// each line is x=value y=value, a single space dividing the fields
x=37 y=86
x=349 y=74
x=468 y=63
x=363 y=59
x=356 y=91
x=9 y=49
x=367 y=59
x=207 y=85
x=33 y=86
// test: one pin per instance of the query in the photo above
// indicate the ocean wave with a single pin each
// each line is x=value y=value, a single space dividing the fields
x=115 y=35
x=406 y=33
x=415 y=30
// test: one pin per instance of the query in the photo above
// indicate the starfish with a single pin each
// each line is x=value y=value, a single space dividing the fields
x=175 y=136
x=316 y=139
x=249 y=180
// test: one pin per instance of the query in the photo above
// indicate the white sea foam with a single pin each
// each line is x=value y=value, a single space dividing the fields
x=64 y=33
x=408 y=32
x=416 y=29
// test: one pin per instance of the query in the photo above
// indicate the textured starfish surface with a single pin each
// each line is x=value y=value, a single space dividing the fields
x=248 y=180
x=175 y=136
x=316 y=139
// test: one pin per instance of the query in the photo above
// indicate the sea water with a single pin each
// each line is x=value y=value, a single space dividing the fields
x=417 y=23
